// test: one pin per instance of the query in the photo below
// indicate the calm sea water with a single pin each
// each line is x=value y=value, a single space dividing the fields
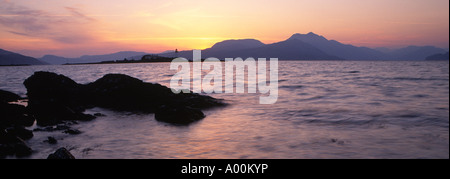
x=326 y=109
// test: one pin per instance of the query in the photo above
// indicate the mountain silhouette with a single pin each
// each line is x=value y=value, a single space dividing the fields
x=291 y=49
x=415 y=53
x=332 y=47
x=11 y=58
x=308 y=46
x=439 y=57
x=57 y=60
x=224 y=49
x=231 y=45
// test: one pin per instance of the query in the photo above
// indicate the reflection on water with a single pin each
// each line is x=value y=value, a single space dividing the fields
x=332 y=109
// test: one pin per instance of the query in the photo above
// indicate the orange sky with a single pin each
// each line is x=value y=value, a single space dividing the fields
x=72 y=28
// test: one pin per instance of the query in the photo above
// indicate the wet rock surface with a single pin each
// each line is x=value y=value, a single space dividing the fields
x=56 y=101
x=180 y=115
x=51 y=140
x=54 y=98
x=6 y=96
x=62 y=154
x=13 y=120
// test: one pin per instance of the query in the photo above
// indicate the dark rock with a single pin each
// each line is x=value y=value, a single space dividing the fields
x=61 y=127
x=51 y=140
x=54 y=98
x=6 y=96
x=196 y=101
x=15 y=145
x=6 y=149
x=20 y=131
x=84 y=117
x=58 y=127
x=340 y=142
x=72 y=131
x=25 y=120
x=67 y=123
x=12 y=143
x=99 y=115
x=13 y=118
x=50 y=88
x=7 y=138
x=125 y=93
x=58 y=115
x=45 y=129
x=61 y=153
x=21 y=149
x=13 y=114
x=180 y=115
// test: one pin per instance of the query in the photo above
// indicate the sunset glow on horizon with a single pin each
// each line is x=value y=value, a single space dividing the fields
x=72 y=28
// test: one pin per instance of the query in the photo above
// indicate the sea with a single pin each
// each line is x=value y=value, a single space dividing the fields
x=325 y=110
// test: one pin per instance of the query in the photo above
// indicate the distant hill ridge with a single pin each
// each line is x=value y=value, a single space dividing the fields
x=336 y=48
x=230 y=45
x=52 y=59
x=444 y=56
x=11 y=58
x=308 y=46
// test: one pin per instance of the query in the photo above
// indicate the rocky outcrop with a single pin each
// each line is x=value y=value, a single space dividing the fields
x=61 y=153
x=125 y=93
x=54 y=98
x=12 y=114
x=6 y=96
x=51 y=140
x=13 y=119
x=181 y=115
x=11 y=144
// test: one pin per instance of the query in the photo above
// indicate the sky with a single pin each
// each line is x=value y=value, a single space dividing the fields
x=72 y=28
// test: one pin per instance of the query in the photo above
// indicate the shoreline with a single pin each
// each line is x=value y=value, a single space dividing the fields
x=55 y=102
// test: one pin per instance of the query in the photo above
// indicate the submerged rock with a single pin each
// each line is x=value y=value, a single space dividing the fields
x=54 y=98
x=51 y=140
x=99 y=115
x=181 y=115
x=61 y=153
x=58 y=127
x=72 y=131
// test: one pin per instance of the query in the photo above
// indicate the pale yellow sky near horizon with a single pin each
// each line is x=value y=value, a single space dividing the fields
x=72 y=28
